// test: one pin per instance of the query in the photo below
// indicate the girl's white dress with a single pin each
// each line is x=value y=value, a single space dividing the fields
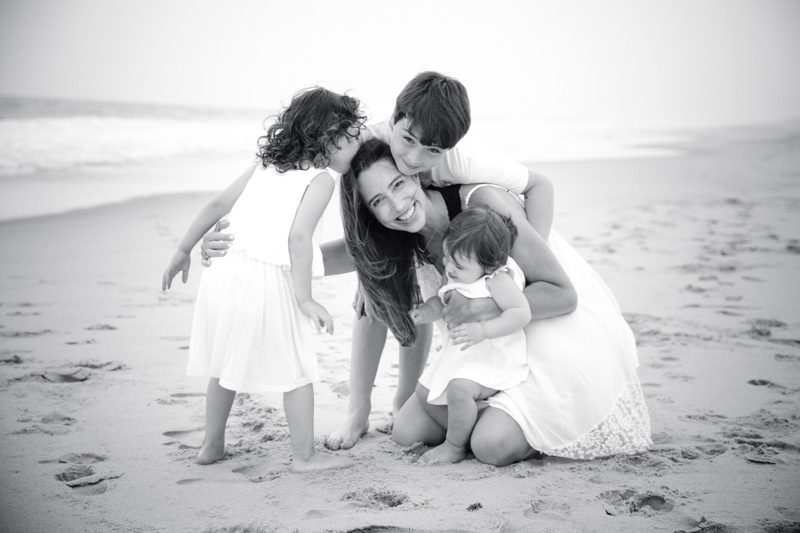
x=248 y=330
x=582 y=398
x=494 y=363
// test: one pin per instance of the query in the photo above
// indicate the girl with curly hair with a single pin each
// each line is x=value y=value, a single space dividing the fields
x=253 y=315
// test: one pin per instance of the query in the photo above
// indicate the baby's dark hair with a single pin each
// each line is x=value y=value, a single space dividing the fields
x=303 y=131
x=437 y=108
x=483 y=232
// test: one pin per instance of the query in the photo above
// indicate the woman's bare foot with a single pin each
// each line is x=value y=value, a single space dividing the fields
x=444 y=453
x=318 y=461
x=211 y=453
x=347 y=435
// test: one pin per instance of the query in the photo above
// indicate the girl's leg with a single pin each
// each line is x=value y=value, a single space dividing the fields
x=298 y=404
x=498 y=440
x=462 y=412
x=414 y=423
x=365 y=355
x=218 y=406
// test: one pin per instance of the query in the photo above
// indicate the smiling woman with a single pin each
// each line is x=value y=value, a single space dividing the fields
x=582 y=398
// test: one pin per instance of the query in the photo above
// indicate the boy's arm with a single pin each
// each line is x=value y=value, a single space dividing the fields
x=430 y=311
x=214 y=210
x=469 y=164
x=301 y=253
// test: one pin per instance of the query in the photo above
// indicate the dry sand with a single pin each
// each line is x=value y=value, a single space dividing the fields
x=99 y=426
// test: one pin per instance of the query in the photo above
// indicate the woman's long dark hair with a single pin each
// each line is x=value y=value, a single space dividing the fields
x=385 y=259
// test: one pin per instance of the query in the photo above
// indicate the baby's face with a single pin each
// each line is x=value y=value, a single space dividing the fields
x=460 y=268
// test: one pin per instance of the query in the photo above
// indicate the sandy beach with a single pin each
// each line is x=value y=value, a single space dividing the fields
x=99 y=425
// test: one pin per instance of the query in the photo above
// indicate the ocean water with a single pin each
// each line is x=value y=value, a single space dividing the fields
x=58 y=155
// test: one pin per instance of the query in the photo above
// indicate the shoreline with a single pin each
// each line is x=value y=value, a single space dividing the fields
x=100 y=426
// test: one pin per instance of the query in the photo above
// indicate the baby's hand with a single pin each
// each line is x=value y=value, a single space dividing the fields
x=318 y=315
x=468 y=334
x=180 y=262
x=416 y=315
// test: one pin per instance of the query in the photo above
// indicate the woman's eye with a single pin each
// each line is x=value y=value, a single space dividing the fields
x=399 y=183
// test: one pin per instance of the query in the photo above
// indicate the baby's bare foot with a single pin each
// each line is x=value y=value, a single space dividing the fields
x=444 y=453
x=318 y=461
x=211 y=453
x=347 y=435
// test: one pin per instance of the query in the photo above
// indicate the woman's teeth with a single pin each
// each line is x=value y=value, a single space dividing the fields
x=408 y=214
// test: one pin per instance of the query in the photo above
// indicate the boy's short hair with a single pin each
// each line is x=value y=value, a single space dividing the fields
x=437 y=108
x=483 y=232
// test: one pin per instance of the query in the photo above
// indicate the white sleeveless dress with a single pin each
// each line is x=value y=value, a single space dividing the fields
x=494 y=363
x=248 y=330
x=582 y=398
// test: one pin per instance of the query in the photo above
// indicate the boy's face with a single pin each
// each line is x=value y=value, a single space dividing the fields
x=411 y=156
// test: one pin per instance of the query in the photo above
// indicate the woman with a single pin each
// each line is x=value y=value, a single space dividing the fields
x=582 y=398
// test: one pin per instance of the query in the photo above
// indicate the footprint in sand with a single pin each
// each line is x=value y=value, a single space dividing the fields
x=179 y=397
x=101 y=327
x=372 y=498
x=186 y=440
x=23 y=334
x=81 y=477
x=627 y=502
x=258 y=473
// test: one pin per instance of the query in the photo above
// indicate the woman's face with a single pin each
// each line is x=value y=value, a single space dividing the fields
x=397 y=201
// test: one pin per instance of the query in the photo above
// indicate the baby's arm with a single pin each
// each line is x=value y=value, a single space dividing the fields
x=217 y=208
x=515 y=316
x=430 y=311
x=301 y=253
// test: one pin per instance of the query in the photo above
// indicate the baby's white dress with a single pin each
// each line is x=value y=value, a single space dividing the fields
x=582 y=397
x=497 y=363
x=248 y=330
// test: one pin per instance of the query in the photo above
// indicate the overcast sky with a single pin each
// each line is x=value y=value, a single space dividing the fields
x=672 y=62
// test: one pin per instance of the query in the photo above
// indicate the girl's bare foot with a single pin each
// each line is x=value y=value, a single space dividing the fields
x=444 y=453
x=347 y=435
x=318 y=461
x=211 y=453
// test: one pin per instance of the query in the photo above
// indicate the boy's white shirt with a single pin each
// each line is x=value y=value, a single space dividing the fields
x=467 y=163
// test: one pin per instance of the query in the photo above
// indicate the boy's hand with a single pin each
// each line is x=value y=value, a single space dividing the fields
x=362 y=305
x=180 y=263
x=318 y=315
x=468 y=334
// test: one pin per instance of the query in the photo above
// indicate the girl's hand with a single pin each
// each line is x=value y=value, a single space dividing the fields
x=417 y=316
x=215 y=243
x=318 y=315
x=468 y=334
x=180 y=263
x=459 y=309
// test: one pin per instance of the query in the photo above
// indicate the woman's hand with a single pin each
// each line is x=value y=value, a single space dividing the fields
x=215 y=243
x=459 y=309
x=180 y=262
x=468 y=334
x=363 y=306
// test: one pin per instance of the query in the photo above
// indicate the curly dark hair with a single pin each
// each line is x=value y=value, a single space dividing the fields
x=302 y=133
x=385 y=259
